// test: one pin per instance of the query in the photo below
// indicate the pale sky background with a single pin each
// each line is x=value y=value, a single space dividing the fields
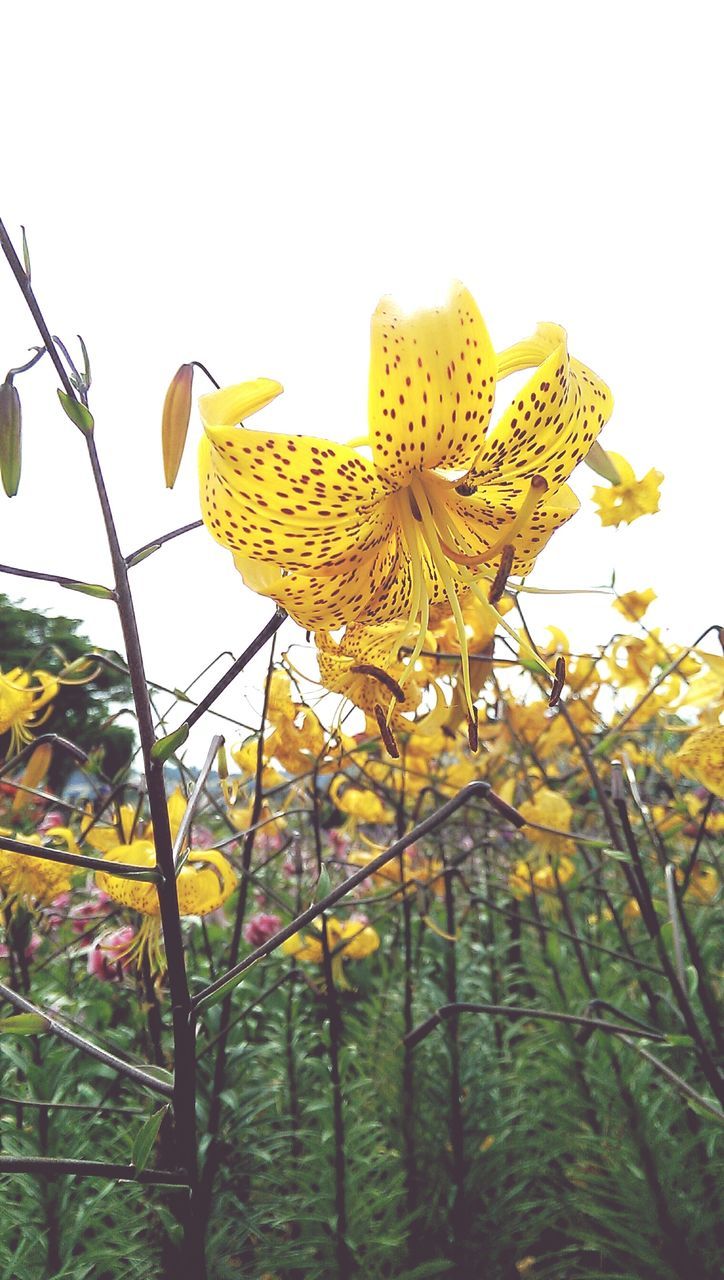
x=239 y=184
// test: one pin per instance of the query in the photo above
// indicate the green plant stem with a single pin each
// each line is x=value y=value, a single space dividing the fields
x=409 y=1153
x=516 y=1012
x=648 y=912
x=334 y=1025
x=455 y=1118
x=472 y=791
x=213 y=1152
x=182 y=1009
x=48 y=853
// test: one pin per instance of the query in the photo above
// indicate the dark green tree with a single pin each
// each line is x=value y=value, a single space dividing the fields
x=30 y=638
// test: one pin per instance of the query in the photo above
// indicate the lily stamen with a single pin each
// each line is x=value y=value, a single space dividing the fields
x=368 y=669
x=538 y=487
x=386 y=733
x=500 y=581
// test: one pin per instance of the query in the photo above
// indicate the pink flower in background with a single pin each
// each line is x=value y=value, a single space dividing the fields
x=268 y=841
x=57 y=913
x=53 y=818
x=202 y=838
x=260 y=928
x=218 y=916
x=32 y=947
x=339 y=843
x=108 y=957
x=85 y=913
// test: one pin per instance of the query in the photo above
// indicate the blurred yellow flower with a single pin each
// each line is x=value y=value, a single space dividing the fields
x=352 y=939
x=415 y=870
x=364 y=805
x=704 y=882
x=365 y=666
x=544 y=878
x=633 y=604
x=23 y=696
x=550 y=809
x=625 y=502
x=702 y=758
x=34 y=882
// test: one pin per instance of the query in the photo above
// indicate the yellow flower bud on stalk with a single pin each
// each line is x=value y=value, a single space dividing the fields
x=35 y=771
x=10 y=437
x=175 y=422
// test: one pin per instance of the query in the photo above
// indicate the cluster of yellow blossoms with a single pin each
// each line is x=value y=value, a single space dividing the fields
x=398 y=535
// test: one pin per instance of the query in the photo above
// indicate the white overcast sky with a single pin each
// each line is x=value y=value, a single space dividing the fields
x=240 y=183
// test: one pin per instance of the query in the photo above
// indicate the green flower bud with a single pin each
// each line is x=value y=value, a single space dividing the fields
x=10 y=437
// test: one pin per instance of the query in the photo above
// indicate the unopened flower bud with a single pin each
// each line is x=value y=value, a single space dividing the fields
x=10 y=437
x=35 y=771
x=175 y=423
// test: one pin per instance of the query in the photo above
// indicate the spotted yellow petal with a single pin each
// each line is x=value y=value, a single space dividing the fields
x=291 y=501
x=432 y=385
x=553 y=420
x=326 y=600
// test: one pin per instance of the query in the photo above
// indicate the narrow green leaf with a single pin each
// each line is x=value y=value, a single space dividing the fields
x=530 y=664
x=26 y=254
x=323 y=885
x=143 y=555
x=159 y=1073
x=146 y=1136
x=79 y=414
x=90 y=589
x=138 y=873
x=86 y=364
x=225 y=989
x=24 y=1024
x=619 y=854
x=165 y=747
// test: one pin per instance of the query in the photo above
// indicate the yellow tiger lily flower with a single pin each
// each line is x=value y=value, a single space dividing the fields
x=34 y=882
x=337 y=537
x=348 y=940
x=204 y=883
x=23 y=695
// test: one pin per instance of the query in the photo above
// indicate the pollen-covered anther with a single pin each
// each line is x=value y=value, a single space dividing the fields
x=497 y=586
x=538 y=487
x=369 y=669
x=558 y=682
x=386 y=733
